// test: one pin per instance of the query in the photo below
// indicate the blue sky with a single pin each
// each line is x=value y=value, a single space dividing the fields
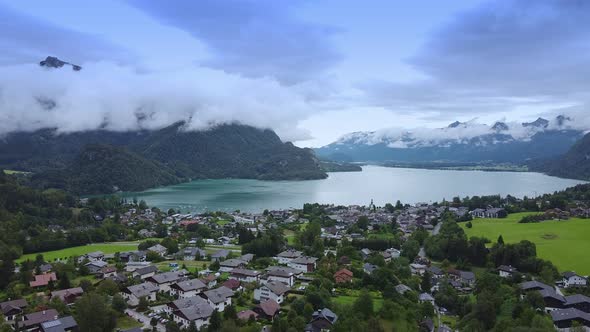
x=311 y=70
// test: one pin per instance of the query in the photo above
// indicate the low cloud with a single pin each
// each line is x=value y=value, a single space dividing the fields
x=116 y=97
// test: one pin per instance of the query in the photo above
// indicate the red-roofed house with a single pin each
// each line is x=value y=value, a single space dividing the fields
x=246 y=314
x=232 y=284
x=343 y=276
x=42 y=280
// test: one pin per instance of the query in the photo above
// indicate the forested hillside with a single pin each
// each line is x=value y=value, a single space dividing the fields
x=574 y=164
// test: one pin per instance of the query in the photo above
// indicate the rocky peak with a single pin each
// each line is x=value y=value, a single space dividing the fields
x=562 y=119
x=54 y=62
x=455 y=124
x=500 y=126
x=539 y=123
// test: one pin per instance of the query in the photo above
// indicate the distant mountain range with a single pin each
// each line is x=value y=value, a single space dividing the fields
x=574 y=164
x=459 y=142
x=102 y=161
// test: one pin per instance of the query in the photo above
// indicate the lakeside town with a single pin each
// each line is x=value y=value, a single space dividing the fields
x=321 y=268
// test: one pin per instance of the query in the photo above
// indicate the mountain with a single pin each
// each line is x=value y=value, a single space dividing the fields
x=53 y=62
x=144 y=159
x=574 y=164
x=458 y=142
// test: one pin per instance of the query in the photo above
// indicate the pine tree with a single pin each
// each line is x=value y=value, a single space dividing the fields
x=500 y=239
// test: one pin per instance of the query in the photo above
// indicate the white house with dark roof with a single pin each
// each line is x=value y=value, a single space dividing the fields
x=133 y=293
x=11 y=309
x=198 y=314
x=193 y=253
x=230 y=264
x=158 y=249
x=571 y=279
x=303 y=264
x=164 y=280
x=287 y=256
x=145 y=272
x=184 y=303
x=187 y=288
x=219 y=298
x=506 y=271
x=283 y=274
x=274 y=290
x=245 y=275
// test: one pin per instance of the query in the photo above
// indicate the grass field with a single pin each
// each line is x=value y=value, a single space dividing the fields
x=126 y=322
x=107 y=248
x=349 y=300
x=565 y=243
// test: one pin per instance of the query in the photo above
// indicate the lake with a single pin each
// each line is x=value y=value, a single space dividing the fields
x=382 y=184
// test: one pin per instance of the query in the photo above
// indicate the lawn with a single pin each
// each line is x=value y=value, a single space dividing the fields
x=565 y=243
x=290 y=236
x=107 y=248
x=190 y=265
x=349 y=300
x=125 y=322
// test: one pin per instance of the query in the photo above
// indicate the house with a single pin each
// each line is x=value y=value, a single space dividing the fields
x=343 y=276
x=95 y=266
x=133 y=293
x=365 y=253
x=564 y=318
x=230 y=264
x=219 y=298
x=571 y=279
x=158 y=249
x=232 y=284
x=465 y=277
x=187 y=288
x=185 y=303
x=489 y=213
x=192 y=253
x=220 y=255
x=427 y=325
x=506 y=271
x=402 y=289
x=285 y=275
x=247 y=258
x=107 y=272
x=344 y=260
x=287 y=256
x=33 y=321
x=68 y=296
x=321 y=320
x=64 y=324
x=11 y=309
x=303 y=263
x=436 y=272
x=369 y=268
x=132 y=256
x=45 y=268
x=274 y=290
x=578 y=301
x=164 y=280
x=132 y=266
x=267 y=309
x=552 y=299
x=244 y=275
x=145 y=272
x=198 y=314
x=534 y=285
x=42 y=280
x=95 y=256
x=417 y=269
x=210 y=280
x=425 y=297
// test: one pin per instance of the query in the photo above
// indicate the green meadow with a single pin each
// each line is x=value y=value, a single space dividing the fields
x=107 y=248
x=565 y=243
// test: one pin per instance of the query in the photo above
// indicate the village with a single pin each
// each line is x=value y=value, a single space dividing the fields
x=206 y=270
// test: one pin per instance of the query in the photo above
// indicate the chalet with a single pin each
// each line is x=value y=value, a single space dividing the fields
x=578 y=301
x=107 y=272
x=64 y=324
x=417 y=269
x=133 y=293
x=245 y=315
x=534 y=285
x=210 y=280
x=369 y=268
x=571 y=279
x=303 y=264
x=164 y=280
x=145 y=272
x=365 y=253
x=187 y=288
x=343 y=276
x=68 y=296
x=274 y=290
x=11 y=309
x=565 y=318
x=285 y=275
x=287 y=256
x=402 y=289
x=95 y=266
x=436 y=272
x=42 y=280
x=244 y=275
x=193 y=253
x=219 y=298
x=465 y=277
x=132 y=256
x=220 y=255
x=230 y=264
x=185 y=303
x=247 y=258
x=158 y=249
x=321 y=320
x=267 y=309
x=425 y=297
x=45 y=268
x=33 y=321
x=506 y=271
x=95 y=256
x=198 y=314
x=132 y=266
x=233 y=284
x=552 y=299
x=489 y=213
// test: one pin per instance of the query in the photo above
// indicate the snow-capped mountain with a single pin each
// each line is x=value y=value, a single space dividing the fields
x=459 y=142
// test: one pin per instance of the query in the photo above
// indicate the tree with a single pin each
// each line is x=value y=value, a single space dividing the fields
x=86 y=285
x=64 y=281
x=172 y=326
x=93 y=314
x=154 y=323
x=170 y=244
x=410 y=249
x=108 y=287
x=363 y=222
x=230 y=313
x=215 y=321
x=469 y=224
x=426 y=283
x=363 y=305
x=143 y=304
x=500 y=240
x=119 y=304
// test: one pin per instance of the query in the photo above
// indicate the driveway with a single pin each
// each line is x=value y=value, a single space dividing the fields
x=145 y=320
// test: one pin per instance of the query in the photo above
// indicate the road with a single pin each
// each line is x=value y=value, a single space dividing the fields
x=436 y=228
x=145 y=320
